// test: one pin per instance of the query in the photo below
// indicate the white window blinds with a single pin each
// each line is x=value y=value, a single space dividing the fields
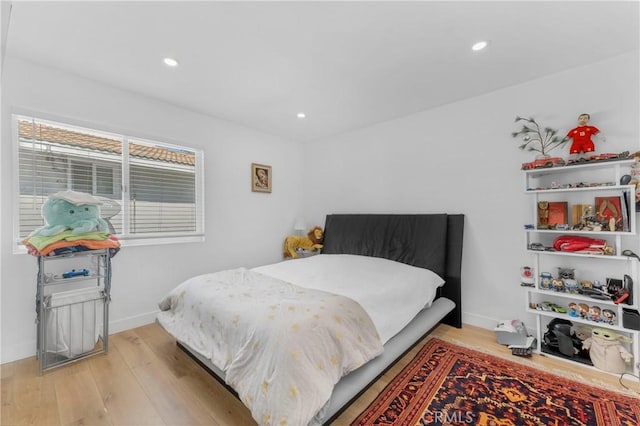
x=149 y=189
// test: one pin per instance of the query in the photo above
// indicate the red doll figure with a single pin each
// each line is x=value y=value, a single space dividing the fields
x=581 y=136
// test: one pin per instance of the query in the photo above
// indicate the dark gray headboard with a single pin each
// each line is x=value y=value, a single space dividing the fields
x=431 y=241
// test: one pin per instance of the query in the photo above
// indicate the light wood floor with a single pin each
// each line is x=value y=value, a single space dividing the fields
x=146 y=380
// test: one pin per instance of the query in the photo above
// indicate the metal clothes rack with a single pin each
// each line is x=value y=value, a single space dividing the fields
x=72 y=324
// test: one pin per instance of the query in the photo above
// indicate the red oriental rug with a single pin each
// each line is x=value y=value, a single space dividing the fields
x=446 y=384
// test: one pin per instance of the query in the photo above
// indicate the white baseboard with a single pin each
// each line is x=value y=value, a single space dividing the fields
x=489 y=323
x=18 y=351
x=132 y=322
x=479 y=320
x=27 y=348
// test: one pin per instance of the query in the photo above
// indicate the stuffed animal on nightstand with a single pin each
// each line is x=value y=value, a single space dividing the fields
x=606 y=351
x=312 y=241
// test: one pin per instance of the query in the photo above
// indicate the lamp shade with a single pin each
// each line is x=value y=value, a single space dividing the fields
x=299 y=224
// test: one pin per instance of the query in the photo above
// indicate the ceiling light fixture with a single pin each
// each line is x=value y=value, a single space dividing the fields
x=170 y=62
x=479 y=45
x=301 y=115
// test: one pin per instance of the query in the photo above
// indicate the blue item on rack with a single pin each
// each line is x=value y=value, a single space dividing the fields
x=73 y=273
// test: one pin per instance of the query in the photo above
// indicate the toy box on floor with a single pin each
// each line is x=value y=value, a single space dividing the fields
x=513 y=333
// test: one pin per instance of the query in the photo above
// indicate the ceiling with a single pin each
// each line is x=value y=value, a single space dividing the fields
x=347 y=65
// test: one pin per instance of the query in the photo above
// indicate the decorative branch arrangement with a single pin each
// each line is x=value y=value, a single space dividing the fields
x=536 y=139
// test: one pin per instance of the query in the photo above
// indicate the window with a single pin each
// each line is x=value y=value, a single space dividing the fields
x=149 y=189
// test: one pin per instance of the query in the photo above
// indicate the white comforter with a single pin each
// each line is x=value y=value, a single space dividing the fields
x=281 y=346
x=392 y=293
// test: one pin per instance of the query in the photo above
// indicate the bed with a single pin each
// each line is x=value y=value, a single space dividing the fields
x=418 y=247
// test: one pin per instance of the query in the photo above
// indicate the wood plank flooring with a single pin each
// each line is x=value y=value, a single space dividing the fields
x=145 y=379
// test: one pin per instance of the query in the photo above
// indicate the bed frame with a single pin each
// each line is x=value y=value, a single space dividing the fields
x=432 y=241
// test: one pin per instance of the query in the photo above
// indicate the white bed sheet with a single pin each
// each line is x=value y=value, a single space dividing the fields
x=392 y=293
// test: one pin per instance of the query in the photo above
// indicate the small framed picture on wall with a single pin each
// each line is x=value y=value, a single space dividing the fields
x=260 y=178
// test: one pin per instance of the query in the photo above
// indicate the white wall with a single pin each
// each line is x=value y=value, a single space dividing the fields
x=461 y=158
x=458 y=158
x=242 y=228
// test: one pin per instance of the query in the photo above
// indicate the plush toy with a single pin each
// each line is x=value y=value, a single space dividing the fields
x=71 y=210
x=606 y=352
x=313 y=241
x=581 y=244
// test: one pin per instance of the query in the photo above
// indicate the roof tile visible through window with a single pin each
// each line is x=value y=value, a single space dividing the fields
x=99 y=143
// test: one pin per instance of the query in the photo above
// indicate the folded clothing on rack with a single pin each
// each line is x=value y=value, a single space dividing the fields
x=64 y=242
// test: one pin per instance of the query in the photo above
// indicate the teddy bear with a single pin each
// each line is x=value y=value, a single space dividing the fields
x=606 y=351
x=312 y=241
x=73 y=211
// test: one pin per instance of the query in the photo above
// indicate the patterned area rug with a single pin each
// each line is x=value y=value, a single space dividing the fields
x=448 y=384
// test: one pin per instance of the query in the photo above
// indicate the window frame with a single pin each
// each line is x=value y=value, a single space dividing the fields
x=126 y=239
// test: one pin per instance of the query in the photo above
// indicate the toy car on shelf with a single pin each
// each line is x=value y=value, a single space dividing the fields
x=76 y=273
x=549 y=307
x=602 y=157
x=543 y=163
x=544 y=306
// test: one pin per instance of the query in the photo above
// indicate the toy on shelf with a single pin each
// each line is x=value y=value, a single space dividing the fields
x=581 y=244
x=609 y=316
x=312 y=241
x=546 y=281
x=594 y=293
x=616 y=290
x=559 y=337
x=595 y=313
x=568 y=278
x=574 y=310
x=581 y=136
x=557 y=285
x=543 y=163
x=606 y=351
x=526 y=277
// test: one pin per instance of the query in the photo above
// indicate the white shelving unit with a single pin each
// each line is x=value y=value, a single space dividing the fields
x=580 y=184
x=72 y=307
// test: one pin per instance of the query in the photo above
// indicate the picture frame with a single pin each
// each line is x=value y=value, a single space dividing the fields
x=552 y=214
x=543 y=215
x=611 y=210
x=260 y=178
x=558 y=214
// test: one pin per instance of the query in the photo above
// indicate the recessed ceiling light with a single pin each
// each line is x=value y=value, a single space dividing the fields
x=301 y=115
x=170 y=62
x=479 y=45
